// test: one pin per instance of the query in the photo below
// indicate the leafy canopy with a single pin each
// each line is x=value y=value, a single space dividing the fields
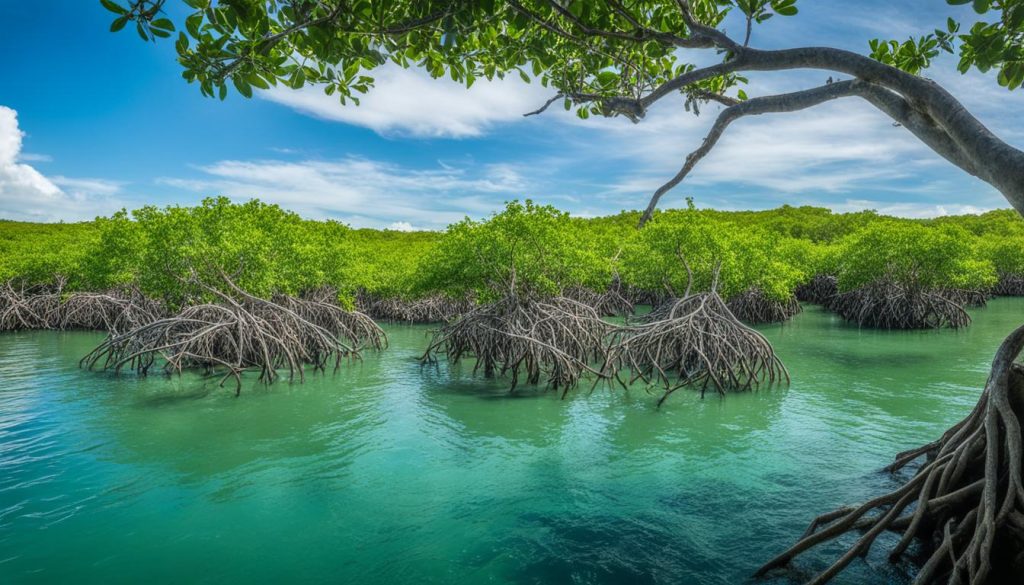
x=527 y=249
x=594 y=54
x=914 y=255
x=261 y=247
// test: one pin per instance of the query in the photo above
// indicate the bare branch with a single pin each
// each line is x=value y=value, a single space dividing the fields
x=789 y=102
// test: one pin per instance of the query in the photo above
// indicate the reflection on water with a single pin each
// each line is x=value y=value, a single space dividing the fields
x=389 y=472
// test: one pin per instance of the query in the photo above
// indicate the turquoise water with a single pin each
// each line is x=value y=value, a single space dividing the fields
x=390 y=473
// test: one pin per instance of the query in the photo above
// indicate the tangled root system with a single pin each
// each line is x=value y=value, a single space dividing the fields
x=48 y=307
x=430 y=309
x=964 y=504
x=242 y=333
x=320 y=307
x=114 y=311
x=694 y=341
x=614 y=301
x=752 y=306
x=885 y=304
x=29 y=307
x=1009 y=285
x=820 y=290
x=966 y=297
x=552 y=340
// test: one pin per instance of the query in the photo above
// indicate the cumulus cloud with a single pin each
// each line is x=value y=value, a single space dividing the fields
x=401 y=226
x=364 y=192
x=26 y=194
x=410 y=102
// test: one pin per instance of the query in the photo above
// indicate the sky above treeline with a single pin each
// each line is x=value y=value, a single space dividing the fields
x=92 y=122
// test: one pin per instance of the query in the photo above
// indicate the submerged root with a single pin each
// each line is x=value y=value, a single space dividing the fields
x=242 y=333
x=885 y=304
x=820 y=290
x=965 y=503
x=752 y=306
x=1009 y=285
x=533 y=340
x=694 y=341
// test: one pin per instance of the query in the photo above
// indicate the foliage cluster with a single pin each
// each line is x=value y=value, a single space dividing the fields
x=530 y=249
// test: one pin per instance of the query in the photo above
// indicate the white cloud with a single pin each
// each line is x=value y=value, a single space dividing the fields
x=364 y=192
x=87 y=187
x=34 y=157
x=913 y=210
x=409 y=102
x=26 y=194
x=401 y=226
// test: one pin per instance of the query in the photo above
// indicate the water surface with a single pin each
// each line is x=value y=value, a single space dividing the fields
x=387 y=472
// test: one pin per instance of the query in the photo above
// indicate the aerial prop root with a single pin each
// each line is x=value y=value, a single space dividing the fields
x=242 y=332
x=819 y=290
x=887 y=304
x=433 y=308
x=753 y=306
x=1009 y=285
x=697 y=341
x=530 y=339
x=965 y=503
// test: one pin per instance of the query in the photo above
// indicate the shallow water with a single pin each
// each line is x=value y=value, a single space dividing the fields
x=391 y=473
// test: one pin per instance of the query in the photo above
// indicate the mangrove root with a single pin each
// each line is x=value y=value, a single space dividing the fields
x=430 y=309
x=553 y=340
x=613 y=302
x=1009 y=285
x=242 y=333
x=964 y=504
x=886 y=304
x=820 y=290
x=752 y=306
x=694 y=341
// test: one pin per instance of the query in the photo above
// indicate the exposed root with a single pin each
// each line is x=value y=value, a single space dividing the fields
x=1009 y=285
x=551 y=340
x=613 y=302
x=965 y=503
x=966 y=297
x=25 y=308
x=889 y=305
x=430 y=309
x=243 y=333
x=320 y=308
x=29 y=307
x=694 y=341
x=114 y=311
x=753 y=307
x=820 y=290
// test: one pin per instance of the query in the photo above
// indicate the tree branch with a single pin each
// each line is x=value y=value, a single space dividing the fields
x=789 y=102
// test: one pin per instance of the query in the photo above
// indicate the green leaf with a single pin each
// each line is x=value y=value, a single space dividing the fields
x=242 y=87
x=114 y=7
x=192 y=24
x=163 y=24
x=118 y=23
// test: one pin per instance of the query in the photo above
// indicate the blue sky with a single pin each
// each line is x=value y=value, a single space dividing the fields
x=91 y=122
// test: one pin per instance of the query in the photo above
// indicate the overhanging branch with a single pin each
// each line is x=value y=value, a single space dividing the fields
x=934 y=135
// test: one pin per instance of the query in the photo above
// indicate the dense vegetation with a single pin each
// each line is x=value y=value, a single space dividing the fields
x=171 y=254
